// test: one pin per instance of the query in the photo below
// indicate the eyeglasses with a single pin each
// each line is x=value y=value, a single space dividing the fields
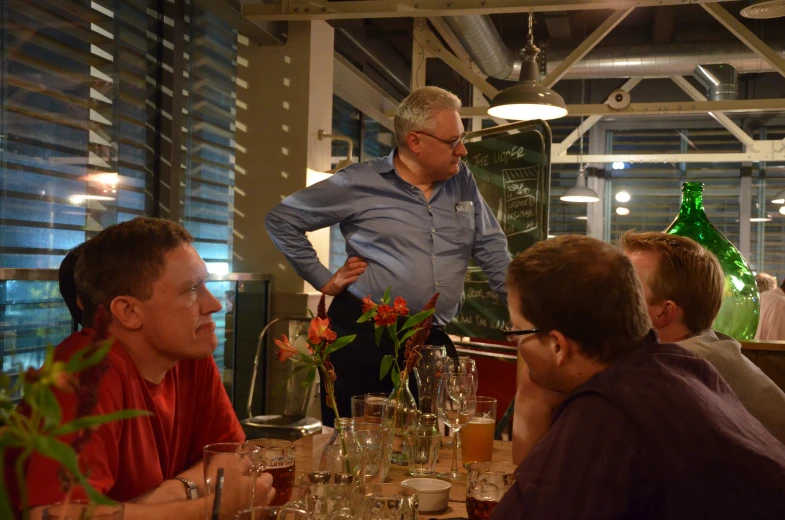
x=519 y=332
x=452 y=143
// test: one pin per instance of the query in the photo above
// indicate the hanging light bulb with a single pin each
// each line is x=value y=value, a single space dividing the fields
x=529 y=99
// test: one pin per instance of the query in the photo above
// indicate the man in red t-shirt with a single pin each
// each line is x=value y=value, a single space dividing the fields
x=152 y=281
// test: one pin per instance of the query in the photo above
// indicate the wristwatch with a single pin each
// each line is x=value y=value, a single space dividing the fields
x=190 y=488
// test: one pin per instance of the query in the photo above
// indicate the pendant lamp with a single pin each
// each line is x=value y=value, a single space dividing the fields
x=529 y=99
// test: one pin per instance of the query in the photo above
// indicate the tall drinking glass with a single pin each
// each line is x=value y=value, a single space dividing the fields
x=477 y=436
x=375 y=440
x=427 y=373
x=370 y=408
x=462 y=365
x=456 y=404
x=231 y=467
x=277 y=457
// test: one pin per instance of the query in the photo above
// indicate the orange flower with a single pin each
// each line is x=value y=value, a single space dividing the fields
x=285 y=349
x=320 y=331
x=399 y=306
x=368 y=304
x=385 y=315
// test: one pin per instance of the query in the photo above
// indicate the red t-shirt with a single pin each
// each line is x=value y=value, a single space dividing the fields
x=125 y=459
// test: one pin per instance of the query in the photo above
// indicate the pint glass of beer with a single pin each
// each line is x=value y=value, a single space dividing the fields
x=486 y=484
x=477 y=436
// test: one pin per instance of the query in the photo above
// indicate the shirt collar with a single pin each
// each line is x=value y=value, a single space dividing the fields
x=386 y=164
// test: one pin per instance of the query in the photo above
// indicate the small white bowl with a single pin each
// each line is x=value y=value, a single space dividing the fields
x=432 y=494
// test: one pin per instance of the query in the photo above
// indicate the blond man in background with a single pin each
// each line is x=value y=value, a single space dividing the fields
x=683 y=284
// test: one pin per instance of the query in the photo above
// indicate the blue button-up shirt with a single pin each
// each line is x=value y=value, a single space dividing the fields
x=416 y=246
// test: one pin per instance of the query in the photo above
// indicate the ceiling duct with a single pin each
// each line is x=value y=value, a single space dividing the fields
x=483 y=43
x=720 y=79
x=651 y=61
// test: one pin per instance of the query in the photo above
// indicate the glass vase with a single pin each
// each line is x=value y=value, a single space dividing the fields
x=401 y=411
x=738 y=316
x=342 y=453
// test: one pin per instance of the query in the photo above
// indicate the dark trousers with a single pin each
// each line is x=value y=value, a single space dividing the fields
x=357 y=364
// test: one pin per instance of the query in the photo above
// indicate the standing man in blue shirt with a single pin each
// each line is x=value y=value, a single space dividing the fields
x=411 y=220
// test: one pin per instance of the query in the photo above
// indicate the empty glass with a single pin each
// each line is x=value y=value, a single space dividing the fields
x=487 y=482
x=427 y=373
x=370 y=408
x=375 y=441
x=232 y=467
x=388 y=502
x=456 y=405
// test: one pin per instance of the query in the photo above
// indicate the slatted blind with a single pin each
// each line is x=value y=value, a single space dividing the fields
x=566 y=218
x=768 y=238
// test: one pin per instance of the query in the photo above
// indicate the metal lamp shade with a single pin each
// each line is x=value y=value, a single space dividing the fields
x=526 y=101
x=580 y=192
x=779 y=198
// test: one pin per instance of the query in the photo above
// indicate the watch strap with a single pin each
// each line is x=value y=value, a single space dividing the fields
x=190 y=488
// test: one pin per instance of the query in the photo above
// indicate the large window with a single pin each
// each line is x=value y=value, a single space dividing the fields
x=110 y=109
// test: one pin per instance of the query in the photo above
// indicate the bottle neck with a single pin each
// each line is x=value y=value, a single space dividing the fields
x=692 y=201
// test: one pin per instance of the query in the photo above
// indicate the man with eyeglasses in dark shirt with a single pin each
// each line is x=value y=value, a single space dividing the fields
x=411 y=220
x=622 y=426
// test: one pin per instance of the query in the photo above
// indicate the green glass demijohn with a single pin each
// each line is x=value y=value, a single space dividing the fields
x=738 y=316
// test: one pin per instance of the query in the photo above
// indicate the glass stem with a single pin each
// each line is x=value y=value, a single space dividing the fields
x=454 y=468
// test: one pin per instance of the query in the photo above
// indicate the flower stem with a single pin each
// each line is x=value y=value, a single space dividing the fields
x=330 y=388
x=20 y=478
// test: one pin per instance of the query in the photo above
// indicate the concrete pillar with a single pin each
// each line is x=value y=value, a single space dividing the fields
x=284 y=99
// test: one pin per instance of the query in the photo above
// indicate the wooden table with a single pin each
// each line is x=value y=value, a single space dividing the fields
x=502 y=451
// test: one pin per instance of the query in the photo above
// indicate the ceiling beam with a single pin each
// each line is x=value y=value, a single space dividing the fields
x=768 y=154
x=746 y=36
x=721 y=118
x=429 y=41
x=301 y=10
x=666 y=108
x=586 y=46
x=448 y=35
x=585 y=126
x=354 y=87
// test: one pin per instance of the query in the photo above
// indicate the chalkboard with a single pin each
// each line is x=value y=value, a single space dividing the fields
x=513 y=174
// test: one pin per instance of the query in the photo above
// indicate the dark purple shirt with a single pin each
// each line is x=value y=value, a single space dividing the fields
x=658 y=435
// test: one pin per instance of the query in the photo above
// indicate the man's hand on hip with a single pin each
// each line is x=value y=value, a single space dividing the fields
x=345 y=276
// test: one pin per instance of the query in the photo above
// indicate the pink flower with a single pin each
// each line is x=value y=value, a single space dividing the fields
x=285 y=349
x=399 y=306
x=368 y=304
x=385 y=315
x=320 y=331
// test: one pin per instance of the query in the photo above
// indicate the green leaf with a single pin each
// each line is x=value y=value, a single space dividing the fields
x=417 y=319
x=378 y=334
x=96 y=420
x=386 y=297
x=310 y=312
x=48 y=407
x=396 y=378
x=409 y=334
x=50 y=356
x=304 y=358
x=309 y=377
x=387 y=362
x=65 y=455
x=339 y=344
x=367 y=316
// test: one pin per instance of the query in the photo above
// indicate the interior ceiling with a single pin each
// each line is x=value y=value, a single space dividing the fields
x=391 y=42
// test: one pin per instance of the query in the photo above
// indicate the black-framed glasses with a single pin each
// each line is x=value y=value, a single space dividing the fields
x=452 y=143
x=519 y=332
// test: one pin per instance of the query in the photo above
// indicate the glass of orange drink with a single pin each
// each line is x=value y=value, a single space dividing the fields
x=477 y=436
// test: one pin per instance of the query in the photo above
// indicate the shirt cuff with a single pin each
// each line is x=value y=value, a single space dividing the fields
x=319 y=277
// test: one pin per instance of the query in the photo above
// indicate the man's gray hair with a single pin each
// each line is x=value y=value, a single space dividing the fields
x=418 y=110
